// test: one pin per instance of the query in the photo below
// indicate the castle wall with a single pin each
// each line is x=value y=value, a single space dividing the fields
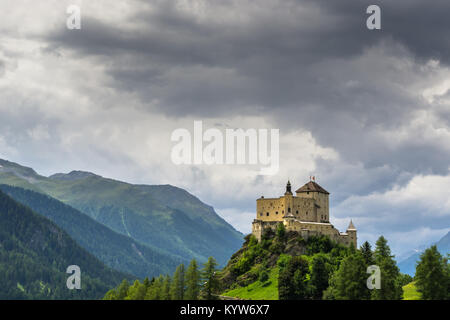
x=306 y=230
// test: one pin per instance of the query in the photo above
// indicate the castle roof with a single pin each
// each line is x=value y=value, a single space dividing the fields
x=351 y=226
x=312 y=186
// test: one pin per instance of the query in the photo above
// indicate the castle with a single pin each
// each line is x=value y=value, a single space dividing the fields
x=306 y=213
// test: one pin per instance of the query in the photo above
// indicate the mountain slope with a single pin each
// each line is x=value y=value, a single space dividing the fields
x=34 y=256
x=115 y=250
x=161 y=216
x=408 y=265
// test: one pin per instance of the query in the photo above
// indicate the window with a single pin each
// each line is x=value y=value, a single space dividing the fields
x=282 y=211
x=289 y=209
x=296 y=212
x=276 y=212
x=267 y=214
x=261 y=214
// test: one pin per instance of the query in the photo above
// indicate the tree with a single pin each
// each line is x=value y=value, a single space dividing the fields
x=192 y=281
x=320 y=273
x=391 y=288
x=137 y=291
x=178 y=285
x=122 y=290
x=292 y=280
x=367 y=253
x=155 y=290
x=281 y=231
x=432 y=275
x=209 y=276
x=165 y=294
x=349 y=281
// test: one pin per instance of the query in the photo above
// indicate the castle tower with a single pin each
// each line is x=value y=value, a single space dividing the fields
x=351 y=231
x=320 y=195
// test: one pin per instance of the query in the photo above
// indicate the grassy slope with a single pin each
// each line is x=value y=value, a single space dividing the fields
x=258 y=290
x=410 y=292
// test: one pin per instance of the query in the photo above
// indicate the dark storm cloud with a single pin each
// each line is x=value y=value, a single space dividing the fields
x=303 y=63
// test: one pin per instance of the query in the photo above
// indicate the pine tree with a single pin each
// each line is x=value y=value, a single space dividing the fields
x=137 y=291
x=154 y=292
x=432 y=275
x=349 y=281
x=122 y=290
x=209 y=276
x=320 y=272
x=165 y=295
x=292 y=283
x=391 y=288
x=192 y=281
x=178 y=286
x=367 y=253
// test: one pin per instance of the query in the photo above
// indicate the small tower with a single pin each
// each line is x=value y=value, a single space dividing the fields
x=351 y=231
x=288 y=188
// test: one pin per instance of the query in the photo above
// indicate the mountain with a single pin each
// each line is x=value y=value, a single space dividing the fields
x=35 y=254
x=408 y=265
x=161 y=216
x=115 y=250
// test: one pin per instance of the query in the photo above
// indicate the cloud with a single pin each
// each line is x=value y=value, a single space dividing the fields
x=367 y=112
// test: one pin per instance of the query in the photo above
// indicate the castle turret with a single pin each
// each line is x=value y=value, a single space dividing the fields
x=351 y=231
x=288 y=188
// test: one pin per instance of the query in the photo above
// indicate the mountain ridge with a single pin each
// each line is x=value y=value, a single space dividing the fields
x=164 y=216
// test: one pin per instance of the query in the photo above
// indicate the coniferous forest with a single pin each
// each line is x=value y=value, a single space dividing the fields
x=285 y=266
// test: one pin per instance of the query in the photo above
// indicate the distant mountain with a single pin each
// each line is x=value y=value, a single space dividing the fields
x=165 y=216
x=408 y=265
x=35 y=254
x=115 y=250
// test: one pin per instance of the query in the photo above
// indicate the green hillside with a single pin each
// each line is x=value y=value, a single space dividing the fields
x=259 y=290
x=253 y=271
x=165 y=217
x=34 y=256
x=115 y=250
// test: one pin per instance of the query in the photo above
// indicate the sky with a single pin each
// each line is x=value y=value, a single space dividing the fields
x=367 y=112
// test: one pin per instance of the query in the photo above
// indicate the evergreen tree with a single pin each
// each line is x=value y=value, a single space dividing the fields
x=166 y=288
x=146 y=283
x=367 y=253
x=281 y=231
x=432 y=275
x=292 y=281
x=391 y=288
x=137 y=291
x=209 y=276
x=178 y=286
x=155 y=290
x=192 y=281
x=122 y=290
x=349 y=281
x=320 y=273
